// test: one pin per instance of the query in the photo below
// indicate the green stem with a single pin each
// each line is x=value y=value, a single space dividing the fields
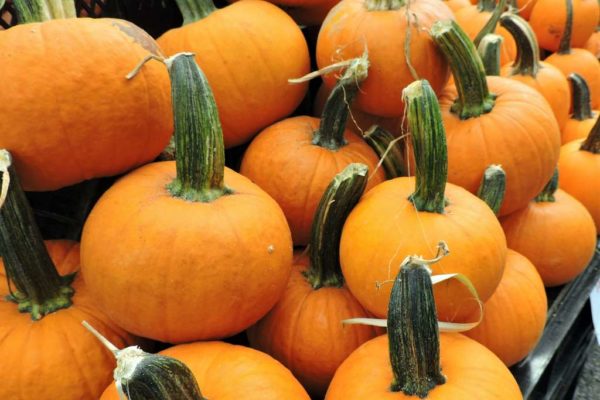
x=339 y=198
x=429 y=144
x=337 y=107
x=580 y=95
x=413 y=332
x=198 y=134
x=486 y=5
x=592 y=142
x=528 y=51
x=195 y=10
x=490 y=25
x=565 y=41
x=489 y=50
x=29 y=11
x=384 y=5
x=492 y=187
x=389 y=150
x=474 y=98
x=40 y=289
x=547 y=193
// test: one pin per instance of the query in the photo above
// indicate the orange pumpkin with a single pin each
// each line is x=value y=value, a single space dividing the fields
x=524 y=8
x=85 y=120
x=593 y=44
x=527 y=68
x=579 y=167
x=548 y=21
x=381 y=28
x=456 y=5
x=248 y=51
x=583 y=118
x=555 y=232
x=295 y=159
x=229 y=247
x=42 y=342
x=411 y=215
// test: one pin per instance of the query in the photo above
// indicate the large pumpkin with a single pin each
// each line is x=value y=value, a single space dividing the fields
x=68 y=114
x=248 y=51
x=202 y=252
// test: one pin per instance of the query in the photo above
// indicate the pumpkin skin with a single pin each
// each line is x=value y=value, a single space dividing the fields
x=515 y=316
x=456 y=5
x=367 y=374
x=384 y=34
x=286 y=148
x=143 y=288
x=234 y=47
x=559 y=237
x=580 y=177
x=525 y=8
x=593 y=44
x=61 y=130
x=575 y=129
x=548 y=21
x=229 y=372
x=313 y=318
x=49 y=352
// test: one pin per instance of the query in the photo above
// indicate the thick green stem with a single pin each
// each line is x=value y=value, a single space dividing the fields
x=413 y=332
x=592 y=142
x=339 y=199
x=565 y=41
x=580 y=95
x=429 y=144
x=337 y=107
x=528 y=51
x=486 y=5
x=40 y=289
x=492 y=187
x=389 y=150
x=489 y=50
x=474 y=98
x=384 y=5
x=195 y=10
x=198 y=134
x=547 y=193
x=490 y=25
x=43 y=10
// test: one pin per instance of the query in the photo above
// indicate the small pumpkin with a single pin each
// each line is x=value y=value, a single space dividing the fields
x=583 y=118
x=248 y=51
x=228 y=251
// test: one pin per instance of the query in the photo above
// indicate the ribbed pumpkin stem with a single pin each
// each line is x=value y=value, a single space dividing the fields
x=489 y=49
x=337 y=107
x=339 y=198
x=592 y=142
x=389 y=150
x=429 y=146
x=547 y=193
x=580 y=95
x=474 y=98
x=40 y=289
x=486 y=5
x=528 y=51
x=490 y=25
x=198 y=134
x=384 y=5
x=43 y=10
x=565 y=41
x=195 y=10
x=413 y=331
x=492 y=187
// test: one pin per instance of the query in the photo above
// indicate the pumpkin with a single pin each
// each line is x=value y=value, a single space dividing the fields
x=494 y=121
x=381 y=28
x=555 y=232
x=579 y=166
x=583 y=118
x=593 y=44
x=414 y=359
x=548 y=22
x=456 y=5
x=475 y=18
x=303 y=330
x=87 y=121
x=411 y=215
x=312 y=151
x=42 y=343
x=580 y=61
x=528 y=69
x=248 y=51
x=221 y=370
x=229 y=249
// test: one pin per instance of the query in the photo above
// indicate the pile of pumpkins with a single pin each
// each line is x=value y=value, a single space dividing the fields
x=448 y=176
